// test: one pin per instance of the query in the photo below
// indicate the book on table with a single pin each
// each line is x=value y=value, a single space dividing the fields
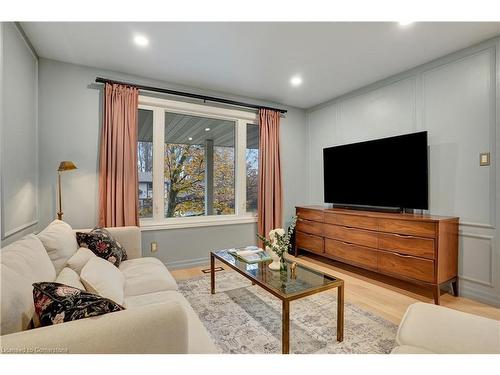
x=250 y=254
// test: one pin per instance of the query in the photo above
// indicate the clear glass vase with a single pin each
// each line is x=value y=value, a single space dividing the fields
x=283 y=265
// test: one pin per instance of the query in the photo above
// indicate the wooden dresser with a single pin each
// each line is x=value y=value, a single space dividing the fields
x=421 y=249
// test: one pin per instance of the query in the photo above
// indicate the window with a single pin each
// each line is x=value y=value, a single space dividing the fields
x=252 y=166
x=145 y=162
x=198 y=165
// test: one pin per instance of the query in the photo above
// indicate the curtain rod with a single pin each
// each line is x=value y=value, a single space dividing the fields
x=189 y=95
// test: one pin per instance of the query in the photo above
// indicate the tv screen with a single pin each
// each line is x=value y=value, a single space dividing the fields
x=388 y=172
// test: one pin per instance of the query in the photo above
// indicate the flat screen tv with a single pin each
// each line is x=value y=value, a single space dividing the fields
x=389 y=173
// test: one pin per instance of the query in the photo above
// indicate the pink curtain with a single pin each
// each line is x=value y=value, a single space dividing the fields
x=118 y=185
x=270 y=202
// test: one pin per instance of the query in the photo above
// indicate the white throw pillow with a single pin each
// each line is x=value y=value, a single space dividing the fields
x=101 y=277
x=80 y=259
x=22 y=263
x=69 y=277
x=60 y=242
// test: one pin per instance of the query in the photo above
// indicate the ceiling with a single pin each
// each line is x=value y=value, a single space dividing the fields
x=257 y=60
x=195 y=130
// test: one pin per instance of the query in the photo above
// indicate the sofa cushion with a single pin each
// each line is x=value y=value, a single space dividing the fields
x=80 y=259
x=129 y=237
x=154 y=329
x=447 y=331
x=60 y=242
x=146 y=275
x=22 y=263
x=101 y=277
x=57 y=303
x=69 y=277
x=199 y=341
x=102 y=244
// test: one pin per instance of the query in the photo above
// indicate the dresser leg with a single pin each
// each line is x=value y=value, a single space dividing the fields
x=436 y=291
x=454 y=287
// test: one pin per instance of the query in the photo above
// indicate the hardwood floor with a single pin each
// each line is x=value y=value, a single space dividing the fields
x=382 y=295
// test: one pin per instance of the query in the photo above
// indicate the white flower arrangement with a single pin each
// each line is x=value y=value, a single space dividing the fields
x=279 y=240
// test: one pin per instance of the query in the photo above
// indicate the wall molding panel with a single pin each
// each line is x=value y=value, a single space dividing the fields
x=476 y=225
x=454 y=98
x=20 y=228
x=490 y=52
x=20 y=162
x=490 y=269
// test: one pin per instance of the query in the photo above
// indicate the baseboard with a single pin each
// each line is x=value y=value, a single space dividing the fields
x=479 y=295
x=188 y=263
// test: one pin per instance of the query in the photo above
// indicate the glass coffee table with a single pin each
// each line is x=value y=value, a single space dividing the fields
x=285 y=286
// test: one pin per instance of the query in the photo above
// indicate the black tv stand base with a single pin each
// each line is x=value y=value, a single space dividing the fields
x=375 y=208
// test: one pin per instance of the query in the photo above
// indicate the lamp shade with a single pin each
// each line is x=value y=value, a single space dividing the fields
x=66 y=166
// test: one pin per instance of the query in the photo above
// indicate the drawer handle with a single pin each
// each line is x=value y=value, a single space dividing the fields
x=403 y=235
x=355 y=228
x=403 y=255
x=347 y=243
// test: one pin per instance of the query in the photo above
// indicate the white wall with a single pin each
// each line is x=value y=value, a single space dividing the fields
x=455 y=99
x=70 y=119
x=19 y=159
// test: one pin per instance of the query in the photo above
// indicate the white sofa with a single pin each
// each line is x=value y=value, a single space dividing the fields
x=430 y=329
x=157 y=319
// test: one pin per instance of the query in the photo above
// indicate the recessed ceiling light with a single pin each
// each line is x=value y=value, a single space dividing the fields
x=207 y=129
x=296 y=81
x=190 y=138
x=405 y=23
x=141 y=40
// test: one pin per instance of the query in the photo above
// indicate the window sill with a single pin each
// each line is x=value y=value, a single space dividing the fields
x=194 y=222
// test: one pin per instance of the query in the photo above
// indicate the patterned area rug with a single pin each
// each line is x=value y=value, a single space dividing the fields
x=242 y=318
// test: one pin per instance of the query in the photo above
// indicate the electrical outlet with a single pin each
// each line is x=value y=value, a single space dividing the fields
x=154 y=246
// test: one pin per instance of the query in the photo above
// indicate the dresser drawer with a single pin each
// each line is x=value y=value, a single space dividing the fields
x=353 y=254
x=310 y=227
x=351 y=220
x=315 y=215
x=309 y=242
x=411 y=245
x=409 y=227
x=352 y=235
x=406 y=265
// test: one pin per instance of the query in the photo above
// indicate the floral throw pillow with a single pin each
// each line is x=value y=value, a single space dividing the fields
x=57 y=303
x=102 y=244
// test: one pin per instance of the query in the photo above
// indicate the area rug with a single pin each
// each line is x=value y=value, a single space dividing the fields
x=242 y=318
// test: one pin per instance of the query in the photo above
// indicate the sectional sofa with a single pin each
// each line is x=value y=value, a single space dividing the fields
x=431 y=329
x=156 y=319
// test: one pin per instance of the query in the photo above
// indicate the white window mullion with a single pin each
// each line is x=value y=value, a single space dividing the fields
x=240 y=165
x=158 y=163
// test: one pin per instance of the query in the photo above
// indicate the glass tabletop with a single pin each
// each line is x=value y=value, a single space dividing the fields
x=304 y=281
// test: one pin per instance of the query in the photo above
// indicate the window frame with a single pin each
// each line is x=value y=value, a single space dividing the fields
x=240 y=118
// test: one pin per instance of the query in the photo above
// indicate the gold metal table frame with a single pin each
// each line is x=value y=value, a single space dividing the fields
x=285 y=297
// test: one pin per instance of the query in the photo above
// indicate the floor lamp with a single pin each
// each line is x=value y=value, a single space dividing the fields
x=63 y=167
